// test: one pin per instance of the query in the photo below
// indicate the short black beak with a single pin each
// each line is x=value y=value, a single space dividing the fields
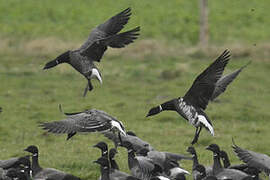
x=95 y=162
x=208 y=148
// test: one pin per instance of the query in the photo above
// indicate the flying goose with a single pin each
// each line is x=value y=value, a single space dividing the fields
x=224 y=81
x=191 y=107
x=86 y=121
x=46 y=173
x=131 y=137
x=253 y=159
x=141 y=167
x=103 y=36
x=219 y=171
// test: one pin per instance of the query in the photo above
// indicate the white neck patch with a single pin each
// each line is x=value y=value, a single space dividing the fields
x=160 y=108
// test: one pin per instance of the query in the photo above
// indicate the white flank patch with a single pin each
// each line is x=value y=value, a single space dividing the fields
x=203 y=120
x=118 y=126
x=163 y=178
x=96 y=74
x=178 y=170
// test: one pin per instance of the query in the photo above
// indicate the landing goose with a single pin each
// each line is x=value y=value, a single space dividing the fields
x=103 y=36
x=191 y=107
x=46 y=173
x=92 y=120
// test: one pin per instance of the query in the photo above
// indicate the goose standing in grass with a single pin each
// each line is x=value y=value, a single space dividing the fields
x=253 y=159
x=106 y=171
x=103 y=36
x=15 y=162
x=46 y=173
x=252 y=171
x=103 y=148
x=86 y=121
x=131 y=137
x=195 y=173
x=191 y=107
x=224 y=173
x=141 y=167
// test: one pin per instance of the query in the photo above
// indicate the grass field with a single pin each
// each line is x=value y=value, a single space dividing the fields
x=160 y=65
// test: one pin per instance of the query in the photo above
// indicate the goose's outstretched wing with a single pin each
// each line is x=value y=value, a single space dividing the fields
x=87 y=121
x=224 y=81
x=253 y=159
x=203 y=87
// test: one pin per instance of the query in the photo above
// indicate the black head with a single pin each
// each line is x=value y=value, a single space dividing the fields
x=60 y=59
x=131 y=133
x=191 y=150
x=154 y=111
x=104 y=162
x=32 y=149
x=112 y=153
x=214 y=148
x=102 y=146
x=127 y=145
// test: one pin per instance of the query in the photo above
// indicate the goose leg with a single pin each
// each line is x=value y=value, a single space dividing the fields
x=88 y=87
x=196 y=136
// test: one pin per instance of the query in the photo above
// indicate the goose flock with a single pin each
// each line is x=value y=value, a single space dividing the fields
x=143 y=160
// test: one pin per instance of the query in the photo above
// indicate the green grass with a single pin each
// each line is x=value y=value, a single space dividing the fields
x=160 y=66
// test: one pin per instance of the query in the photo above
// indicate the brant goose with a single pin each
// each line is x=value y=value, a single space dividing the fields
x=46 y=173
x=15 y=162
x=224 y=81
x=103 y=36
x=103 y=147
x=141 y=167
x=131 y=137
x=219 y=171
x=196 y=174
x=107 y=174
x=87 y=121
x=253 y=159
x=112 y=153
x=252 y=171
x=191 y=107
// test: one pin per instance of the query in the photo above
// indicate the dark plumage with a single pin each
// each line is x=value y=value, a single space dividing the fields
x=103 y=36
x=141 y=167
x=103 y=147
x=166 y=159
x=15 y=162
x=113 y=163
x=87 y=121
x=46 y=173
x=191 y=107
x=252 y=171
x=253 y=159
x=219 y=171
x=224 y=81
x=131 y=137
